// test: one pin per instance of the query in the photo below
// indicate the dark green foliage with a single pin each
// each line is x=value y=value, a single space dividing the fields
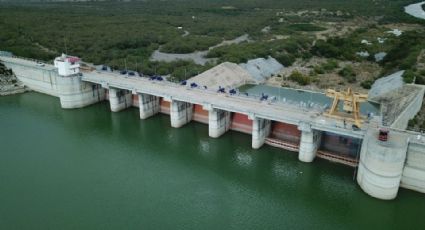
x=409 y=76
x=366 y=84
x=285 y=59
x=189 y=44
x=326 y=67
x=348 y=74
x=299 y=78
x=111 y=32
x=284 y=50
x=412 y=122
x=404 y=53
x=305 y=27
x=339 y=48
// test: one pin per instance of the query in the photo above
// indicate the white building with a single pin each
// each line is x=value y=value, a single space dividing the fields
x=67 y=65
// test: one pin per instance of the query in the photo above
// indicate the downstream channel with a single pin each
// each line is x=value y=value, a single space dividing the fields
x=93 y=169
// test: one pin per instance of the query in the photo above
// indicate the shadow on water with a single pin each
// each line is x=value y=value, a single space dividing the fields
x=143 y=173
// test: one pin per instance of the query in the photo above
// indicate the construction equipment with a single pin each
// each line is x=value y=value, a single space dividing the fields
x=351 y=106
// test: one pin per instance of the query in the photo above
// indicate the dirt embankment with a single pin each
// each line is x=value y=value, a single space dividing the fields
x=9 y=84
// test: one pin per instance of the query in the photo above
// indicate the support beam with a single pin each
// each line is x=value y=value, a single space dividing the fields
x=180 y=113
x=119 y=99
x=148 y=105
x=218 y=122
x=260 y=130
x=310 y=142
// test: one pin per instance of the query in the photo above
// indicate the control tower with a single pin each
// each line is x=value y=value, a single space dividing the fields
x=67 y=65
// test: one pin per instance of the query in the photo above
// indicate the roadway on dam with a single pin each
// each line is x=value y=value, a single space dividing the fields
x=275 y=111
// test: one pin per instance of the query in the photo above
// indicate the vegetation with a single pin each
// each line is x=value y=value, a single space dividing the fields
x=366 y=84
x=283 y=50
x=299 y=78
x=125 y=34
x=348 y=74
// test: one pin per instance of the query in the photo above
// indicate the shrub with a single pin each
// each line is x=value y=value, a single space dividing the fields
x=408 y=76
x=330 y=65
x=299 y=78
x=366 y=84
x=348 y=74
x=286 y=59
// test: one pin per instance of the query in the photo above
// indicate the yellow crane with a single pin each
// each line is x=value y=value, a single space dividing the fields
x=351 y=106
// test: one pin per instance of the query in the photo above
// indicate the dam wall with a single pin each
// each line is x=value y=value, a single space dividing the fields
x=71 y=90
x=43 y=80
x=411 y=110
x=383 y=166
x=414 y=170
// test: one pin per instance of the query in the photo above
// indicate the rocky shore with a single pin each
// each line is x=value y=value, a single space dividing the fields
x=9 y=84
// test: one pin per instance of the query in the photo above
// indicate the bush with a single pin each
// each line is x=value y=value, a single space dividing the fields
x=348 y=74
x=285 y=59
x=408 y=76
x=299 y=78
x=366 y=84
x=412 y=122
x=330 y=65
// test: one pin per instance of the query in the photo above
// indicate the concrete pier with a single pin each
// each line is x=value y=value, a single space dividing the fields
x=260 y=130
x=180 y=113
x=119 y=99
x=381 y=164
x=74 y=93
x=310 y=142
x=218 y=122
x=148 y=105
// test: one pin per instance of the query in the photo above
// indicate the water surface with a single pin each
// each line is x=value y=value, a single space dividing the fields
x=93 y=169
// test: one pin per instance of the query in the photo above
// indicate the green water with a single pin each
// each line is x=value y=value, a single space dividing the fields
x=93 y=169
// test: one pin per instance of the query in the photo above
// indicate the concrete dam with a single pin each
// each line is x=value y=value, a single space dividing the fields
x=383 y=166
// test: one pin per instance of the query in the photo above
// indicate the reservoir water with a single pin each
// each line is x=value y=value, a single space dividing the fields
x=93 y=169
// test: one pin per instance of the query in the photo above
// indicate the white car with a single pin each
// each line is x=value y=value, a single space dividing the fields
x=40 y=64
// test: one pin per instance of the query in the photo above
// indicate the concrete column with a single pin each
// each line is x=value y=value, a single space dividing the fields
x=310 y=142
x=381 y=164
x=148 y=105
x=218 y=122
x=180 y=113
x=119 y=99
x=260 y=130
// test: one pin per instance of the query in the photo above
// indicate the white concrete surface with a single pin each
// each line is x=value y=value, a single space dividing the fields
x=148 y=105
x=381 y=164
x=218 y=122
x=119 y=99
x=309 y=143
x=180 y=113
x=260 y=130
